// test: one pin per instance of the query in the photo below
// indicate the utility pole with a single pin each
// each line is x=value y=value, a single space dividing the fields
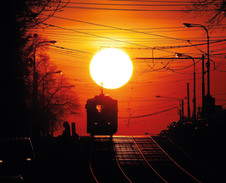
x=35 y=124
x=188 y=97
x=188 y=25
x=194 y=83
x=194 y=95
x=203 y=83
x=182 y=109
x=194 y=79
x=208 y=61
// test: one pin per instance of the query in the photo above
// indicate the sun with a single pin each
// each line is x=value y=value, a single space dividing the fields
x=111 y=68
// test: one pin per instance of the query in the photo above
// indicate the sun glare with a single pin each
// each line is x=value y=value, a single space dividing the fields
x=111 y=68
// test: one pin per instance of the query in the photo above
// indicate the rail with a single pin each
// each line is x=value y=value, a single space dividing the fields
x=134 y=159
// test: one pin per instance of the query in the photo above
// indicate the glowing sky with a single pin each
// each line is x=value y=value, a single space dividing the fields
x=141 y=29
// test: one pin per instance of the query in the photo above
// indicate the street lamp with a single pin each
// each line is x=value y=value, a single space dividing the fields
x=194 y=82
x=188 y=25
x=57 y=72
x=35 y=127
x=35 y=84
x=43 y=79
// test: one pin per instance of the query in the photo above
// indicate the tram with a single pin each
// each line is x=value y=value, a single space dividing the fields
x=102 y=115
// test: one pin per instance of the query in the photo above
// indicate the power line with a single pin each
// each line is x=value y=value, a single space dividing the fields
x=220 y=65
x=103 y=37
x=151 y=1
x=146 y=28
x=220 y=70
x=147 y=115
x=162 y=3
x=118 y=28
x=172 y=47
x=133 y=9
x=64 y=48
x=93 y=35
x=162 y=68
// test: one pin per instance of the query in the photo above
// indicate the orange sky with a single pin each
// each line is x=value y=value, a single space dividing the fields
x=87 y=28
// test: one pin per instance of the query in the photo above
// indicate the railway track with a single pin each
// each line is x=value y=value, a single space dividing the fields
x=133 y=163
x=162 y=162
x=134 y=160
x=103 y=164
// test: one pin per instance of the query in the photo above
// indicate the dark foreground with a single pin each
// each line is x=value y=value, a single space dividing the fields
x=119 y=159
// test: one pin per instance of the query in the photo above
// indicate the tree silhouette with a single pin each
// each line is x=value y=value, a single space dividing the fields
x=19 y=17
x=214 y=9
x=55 y=96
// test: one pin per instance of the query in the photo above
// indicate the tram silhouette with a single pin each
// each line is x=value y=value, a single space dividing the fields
x=102 y=115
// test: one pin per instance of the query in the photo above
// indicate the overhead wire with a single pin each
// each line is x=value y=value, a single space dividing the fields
x=137 y=4
x=67 y=53
x=112 y=39
x=118 y=28
x=71 y=49
x=171 y=47
x=155 y=1
x=216 y=68
x=129 y=42
x=100 y=7
x=164 y=67
x=147 y=40
x=161 y=29
x=147 y=115
x=104 y=37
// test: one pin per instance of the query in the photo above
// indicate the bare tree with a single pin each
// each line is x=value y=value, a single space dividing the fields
x=35 y=12
x=214 y=9
x=59 y=100
x=56 y=99
x=19 y=18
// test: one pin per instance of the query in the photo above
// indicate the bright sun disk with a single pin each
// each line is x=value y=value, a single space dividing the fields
x=111 y=68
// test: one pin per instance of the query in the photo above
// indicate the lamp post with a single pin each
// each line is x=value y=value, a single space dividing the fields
x=188 y=25
x=43 y=82
x=194 y=82
x=35 y=127
x=35 y=84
